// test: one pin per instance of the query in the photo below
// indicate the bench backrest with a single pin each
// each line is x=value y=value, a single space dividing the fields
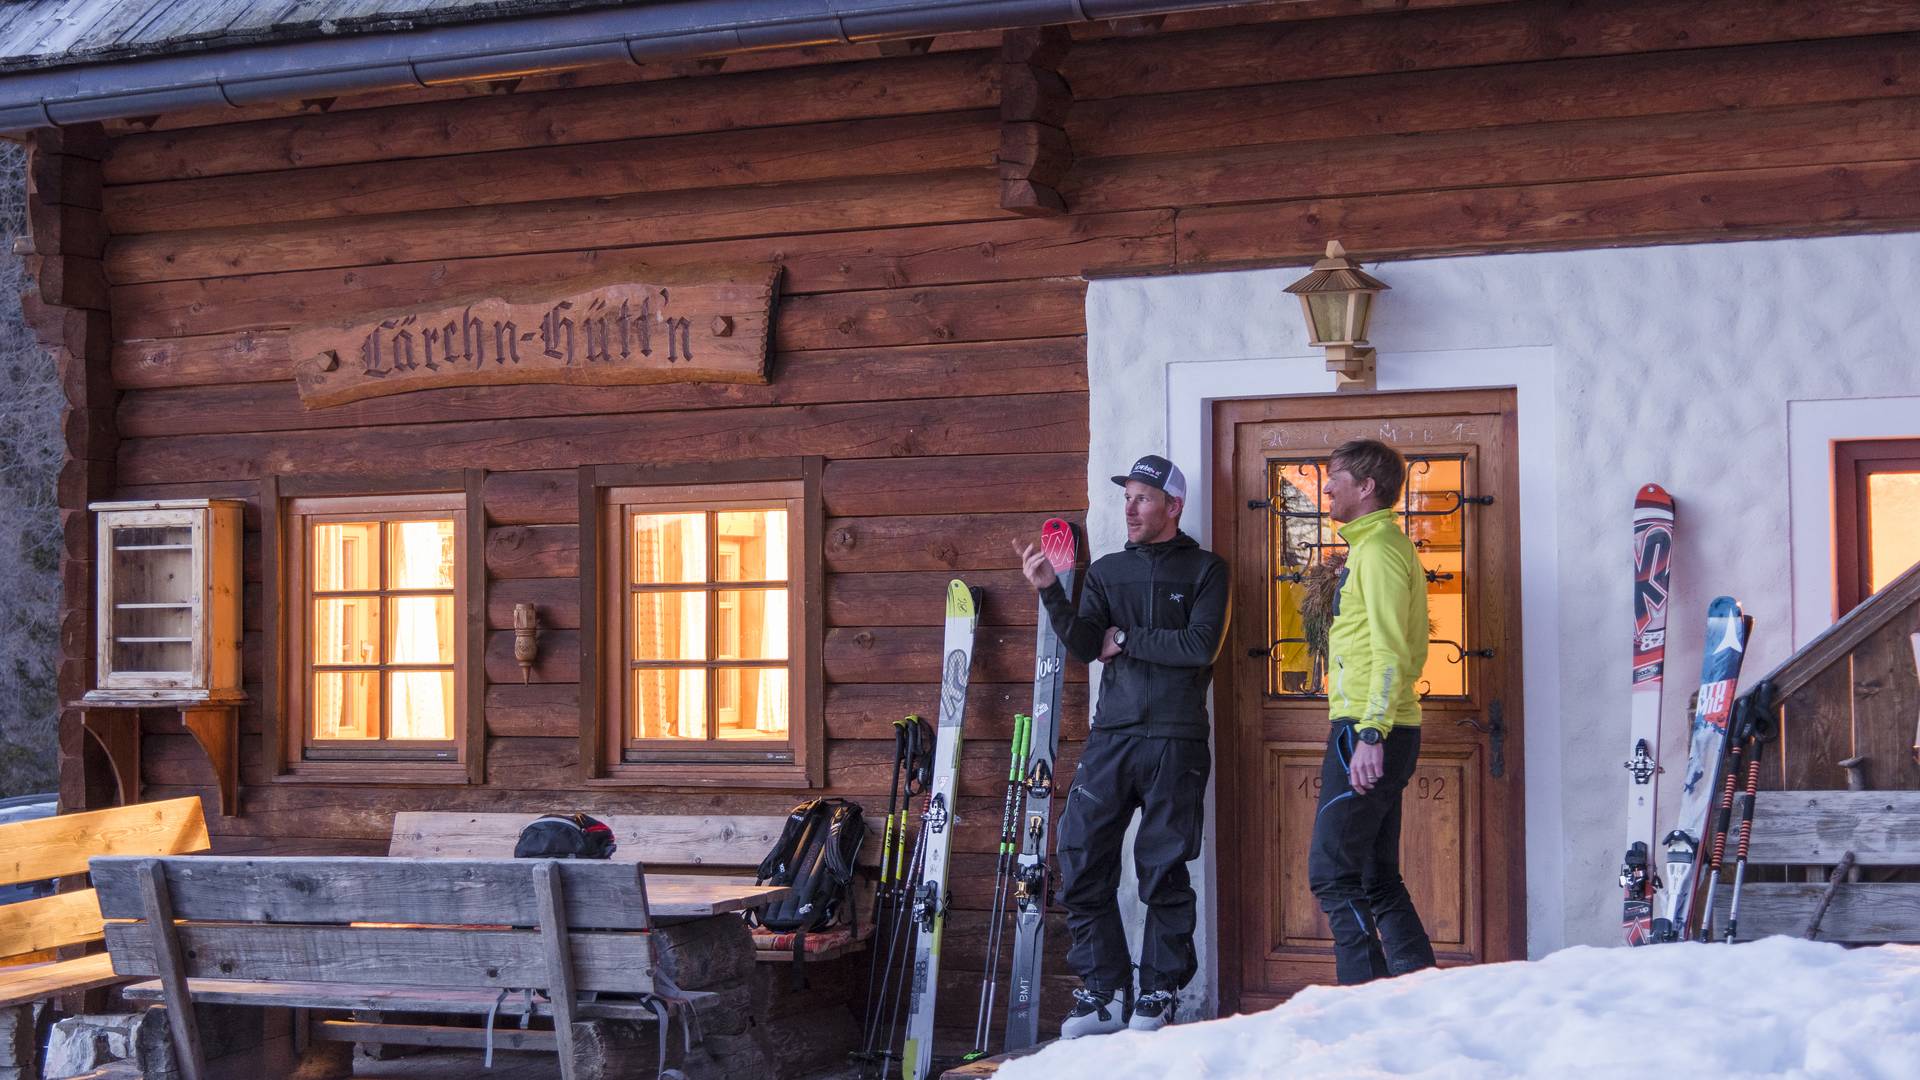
x=1813 y=828
x=379 y=921
x=655 y=839
x=60 y=846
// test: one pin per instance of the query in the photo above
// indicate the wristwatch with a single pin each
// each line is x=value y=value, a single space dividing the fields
x=1370 y=736
x=1120 y=638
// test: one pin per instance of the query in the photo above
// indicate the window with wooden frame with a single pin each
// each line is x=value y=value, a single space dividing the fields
x=1876 y=515
x=705 y=594
x=378 y=665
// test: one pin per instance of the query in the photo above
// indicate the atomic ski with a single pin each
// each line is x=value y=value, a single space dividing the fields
x=1033 y=875
x=1726 y=647
x=930 y=897
x=1652 y=564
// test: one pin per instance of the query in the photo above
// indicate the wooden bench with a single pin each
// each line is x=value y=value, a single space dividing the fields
x=1813 y=830
x=731 y=847
x=321 y=933
x=32 y=931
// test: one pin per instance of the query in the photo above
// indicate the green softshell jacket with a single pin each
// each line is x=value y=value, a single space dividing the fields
x=1378 y=644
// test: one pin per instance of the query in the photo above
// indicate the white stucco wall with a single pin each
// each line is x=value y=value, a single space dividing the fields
x=1679 y=365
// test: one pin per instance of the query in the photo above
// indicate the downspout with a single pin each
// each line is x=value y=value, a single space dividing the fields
x=509 y=48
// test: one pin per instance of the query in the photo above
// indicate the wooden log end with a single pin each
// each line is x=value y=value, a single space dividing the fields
x=1030 y=199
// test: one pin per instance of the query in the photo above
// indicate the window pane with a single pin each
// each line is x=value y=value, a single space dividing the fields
x=421 y=629
x=669 y=703
x=1436 y=485
x=752 y=624
x=1893 y=525
x=750 y=703
x=346 y=705
x=670 y=626
x=346 y=556
x=420 y=704
x=420 y=554
x=751 y=545
x=669 y=548
x=346 y=630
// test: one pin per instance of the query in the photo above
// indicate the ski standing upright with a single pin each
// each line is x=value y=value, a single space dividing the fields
x=930 y=896
x=1652 y=567
x=1033 y=876
x=1726 y=647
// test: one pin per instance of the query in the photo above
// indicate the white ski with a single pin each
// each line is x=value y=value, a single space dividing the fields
x=930 y=896
x=1033 y=874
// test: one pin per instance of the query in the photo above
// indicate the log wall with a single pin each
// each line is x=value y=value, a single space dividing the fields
x=930 y=344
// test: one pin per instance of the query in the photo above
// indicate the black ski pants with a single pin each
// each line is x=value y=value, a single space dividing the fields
x=1353 y=865
x=1166 y=780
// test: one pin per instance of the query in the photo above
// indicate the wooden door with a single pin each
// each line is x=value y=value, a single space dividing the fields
x=1462 y=847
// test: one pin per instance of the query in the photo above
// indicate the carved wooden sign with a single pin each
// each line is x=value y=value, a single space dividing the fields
x=713 y=328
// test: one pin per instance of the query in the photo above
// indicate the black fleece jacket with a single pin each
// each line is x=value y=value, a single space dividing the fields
x=1172 y=600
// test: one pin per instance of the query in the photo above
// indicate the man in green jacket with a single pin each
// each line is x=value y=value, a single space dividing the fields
x=1375 y=652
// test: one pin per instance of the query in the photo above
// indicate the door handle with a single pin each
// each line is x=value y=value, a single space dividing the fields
x=1495 y=729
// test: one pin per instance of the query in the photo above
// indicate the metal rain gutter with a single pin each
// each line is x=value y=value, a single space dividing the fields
x=503 y=49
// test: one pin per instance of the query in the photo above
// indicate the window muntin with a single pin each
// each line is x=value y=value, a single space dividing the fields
x=379 y=637
x=709 y=628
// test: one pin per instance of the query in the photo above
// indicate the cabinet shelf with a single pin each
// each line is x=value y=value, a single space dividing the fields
x=154 y=547
x=143 y=606
x=154 y=640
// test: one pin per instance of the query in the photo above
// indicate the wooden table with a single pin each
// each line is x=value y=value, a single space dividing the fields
x=683 y=897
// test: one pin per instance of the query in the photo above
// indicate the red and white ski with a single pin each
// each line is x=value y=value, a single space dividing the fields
x=1652 y=565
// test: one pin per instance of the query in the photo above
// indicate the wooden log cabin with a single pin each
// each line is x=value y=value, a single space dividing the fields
x=976 y=225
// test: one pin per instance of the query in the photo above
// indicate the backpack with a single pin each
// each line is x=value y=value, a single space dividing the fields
x=815 y=857
x=565 y=836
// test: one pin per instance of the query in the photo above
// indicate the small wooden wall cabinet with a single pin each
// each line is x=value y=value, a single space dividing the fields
x=167 y=617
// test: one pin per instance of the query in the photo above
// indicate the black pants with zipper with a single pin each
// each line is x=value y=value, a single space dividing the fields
x=1166 y=780
x=1353 y=865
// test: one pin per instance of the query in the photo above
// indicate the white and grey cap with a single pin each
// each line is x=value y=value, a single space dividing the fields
x=1156 y=471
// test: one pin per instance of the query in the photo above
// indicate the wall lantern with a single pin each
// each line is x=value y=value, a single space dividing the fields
x=1337 y=298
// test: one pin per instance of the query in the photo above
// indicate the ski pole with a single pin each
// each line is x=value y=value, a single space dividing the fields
x=869 y=1020
x=1761 y=728
x=1009 y=826
x=1721 y=824
x=900 y=948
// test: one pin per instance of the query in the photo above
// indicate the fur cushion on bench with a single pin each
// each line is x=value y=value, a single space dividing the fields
x=833 y=940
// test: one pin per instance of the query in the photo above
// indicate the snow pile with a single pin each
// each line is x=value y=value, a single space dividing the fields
x=1779 y=1007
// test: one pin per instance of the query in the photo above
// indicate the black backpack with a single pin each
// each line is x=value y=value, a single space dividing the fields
x=815 y=857
x=565 y=836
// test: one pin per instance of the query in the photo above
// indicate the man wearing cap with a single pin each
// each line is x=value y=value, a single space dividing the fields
x=1155 y=614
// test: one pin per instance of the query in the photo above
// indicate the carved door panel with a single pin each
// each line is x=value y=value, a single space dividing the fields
x=1462 y=845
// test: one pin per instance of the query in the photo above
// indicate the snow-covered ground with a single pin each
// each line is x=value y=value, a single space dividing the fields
x=1775 y=1008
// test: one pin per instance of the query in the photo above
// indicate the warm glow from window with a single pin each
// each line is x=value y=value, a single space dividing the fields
x=708 y=637
x=384 y=626
x=1893 y=525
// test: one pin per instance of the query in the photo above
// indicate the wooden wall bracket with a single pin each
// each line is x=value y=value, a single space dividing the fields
x=117 y=731
x=216 y=727
x=1035 y=153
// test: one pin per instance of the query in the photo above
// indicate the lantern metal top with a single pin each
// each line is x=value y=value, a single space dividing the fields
x=1337 y=273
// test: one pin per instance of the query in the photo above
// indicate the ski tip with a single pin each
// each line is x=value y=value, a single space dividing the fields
x=1723 y=607
x=960 y=600
x=1653 y=497
x=1058 y=542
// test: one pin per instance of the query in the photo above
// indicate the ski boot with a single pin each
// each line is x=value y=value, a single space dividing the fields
x=1095 y=1012
x=1153 y=1011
